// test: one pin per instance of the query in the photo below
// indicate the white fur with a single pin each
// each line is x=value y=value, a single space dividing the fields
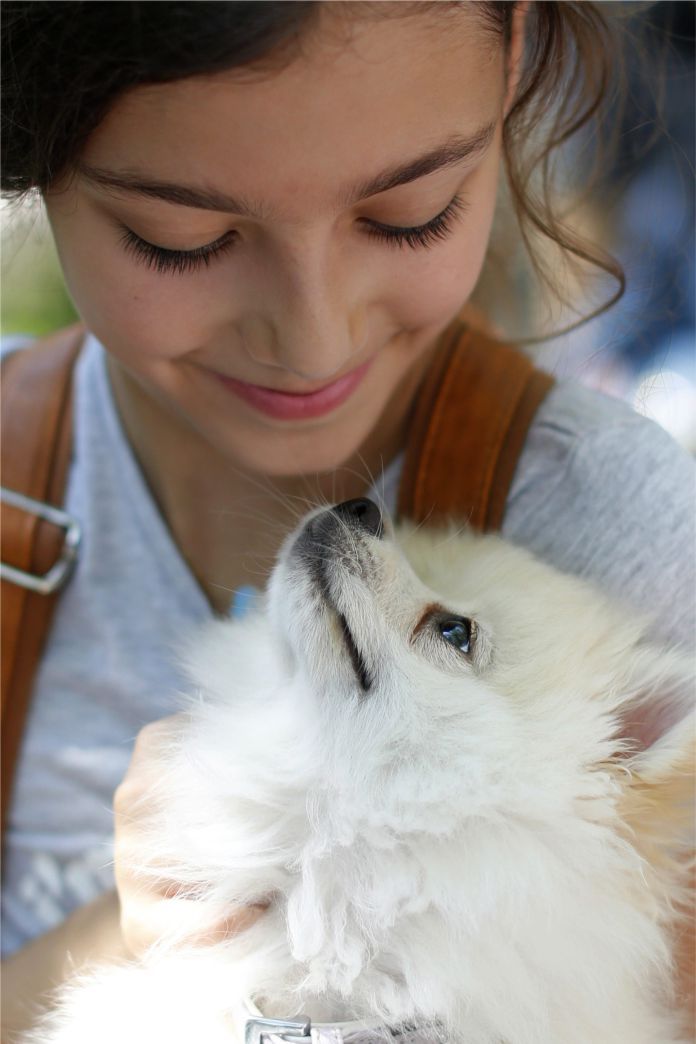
x=451 y=847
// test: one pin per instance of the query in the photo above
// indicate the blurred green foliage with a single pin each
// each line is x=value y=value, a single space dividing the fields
x=34 y=298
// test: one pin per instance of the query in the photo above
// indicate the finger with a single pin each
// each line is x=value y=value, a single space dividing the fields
x=153 y=737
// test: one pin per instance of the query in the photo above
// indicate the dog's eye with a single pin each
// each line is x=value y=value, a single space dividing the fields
x=457 y=631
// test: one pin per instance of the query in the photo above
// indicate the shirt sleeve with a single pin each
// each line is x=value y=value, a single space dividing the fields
x=12 y=342
x=606 y=494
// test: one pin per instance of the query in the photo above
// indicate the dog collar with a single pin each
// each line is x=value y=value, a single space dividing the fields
x=257 y=1029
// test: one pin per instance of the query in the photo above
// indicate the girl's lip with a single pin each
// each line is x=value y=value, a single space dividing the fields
x=285 y=405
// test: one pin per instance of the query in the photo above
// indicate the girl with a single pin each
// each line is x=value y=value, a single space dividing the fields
x=267 y=214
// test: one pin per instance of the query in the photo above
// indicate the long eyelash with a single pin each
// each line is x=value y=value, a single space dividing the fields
x=182 y=261
x=179 y=261
x=437 y=228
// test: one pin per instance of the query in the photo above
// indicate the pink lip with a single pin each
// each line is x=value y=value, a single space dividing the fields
x=297 y=405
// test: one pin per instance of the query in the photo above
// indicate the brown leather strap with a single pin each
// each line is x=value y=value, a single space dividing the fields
x=470 y=422
x=36 y=447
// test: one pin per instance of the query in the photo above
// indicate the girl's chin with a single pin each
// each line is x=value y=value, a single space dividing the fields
x=287 y=465
x=291 y=454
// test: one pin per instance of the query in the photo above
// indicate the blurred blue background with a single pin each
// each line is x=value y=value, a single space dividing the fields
x=644 y=348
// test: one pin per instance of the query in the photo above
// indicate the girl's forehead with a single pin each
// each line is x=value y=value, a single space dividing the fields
x=343 y=105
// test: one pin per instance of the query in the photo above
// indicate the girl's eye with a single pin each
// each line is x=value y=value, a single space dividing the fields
x=438 y=227
x=180 y=261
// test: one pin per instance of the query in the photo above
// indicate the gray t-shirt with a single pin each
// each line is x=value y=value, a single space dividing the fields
x=599 y=491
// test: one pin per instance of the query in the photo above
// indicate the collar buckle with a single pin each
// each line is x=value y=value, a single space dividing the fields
x=292 y=1031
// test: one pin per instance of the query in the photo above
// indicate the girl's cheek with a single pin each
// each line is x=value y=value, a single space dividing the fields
x=124 y=303
x=111 y=290
x=442 y=283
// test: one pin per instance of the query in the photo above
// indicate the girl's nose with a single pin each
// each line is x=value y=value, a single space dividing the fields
x=308 y=327
x=308 y=342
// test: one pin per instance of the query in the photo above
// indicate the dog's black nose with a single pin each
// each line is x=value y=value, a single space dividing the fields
x=361 y=512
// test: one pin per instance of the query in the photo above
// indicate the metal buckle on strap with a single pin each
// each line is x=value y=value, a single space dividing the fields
x=59 y=572
x=294 y=1031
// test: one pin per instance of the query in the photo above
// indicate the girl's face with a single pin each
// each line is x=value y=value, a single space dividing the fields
x=234 y=237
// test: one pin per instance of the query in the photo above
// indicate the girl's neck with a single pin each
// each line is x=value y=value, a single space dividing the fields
x=229 y=523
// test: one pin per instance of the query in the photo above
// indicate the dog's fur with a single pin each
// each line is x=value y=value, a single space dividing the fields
x=492 y=845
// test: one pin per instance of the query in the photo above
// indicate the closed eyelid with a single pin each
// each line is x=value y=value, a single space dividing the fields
x=457 y=204
x=164 y=259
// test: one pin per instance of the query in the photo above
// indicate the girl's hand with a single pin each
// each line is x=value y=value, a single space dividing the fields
x=29 y=977
x=152 y=910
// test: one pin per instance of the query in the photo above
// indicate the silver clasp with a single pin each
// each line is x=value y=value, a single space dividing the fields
x=59 y=572
x=294 y=1031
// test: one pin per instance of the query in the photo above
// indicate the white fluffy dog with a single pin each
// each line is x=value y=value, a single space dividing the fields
x=461 y=779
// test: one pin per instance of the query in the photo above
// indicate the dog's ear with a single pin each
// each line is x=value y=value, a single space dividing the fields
x=656 y=710
x=656 y=757
x=656 y=752
x=659 y=788
x=658 y=796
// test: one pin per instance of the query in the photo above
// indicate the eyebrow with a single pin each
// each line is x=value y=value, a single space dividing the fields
x=455 y=149
x=430 y=609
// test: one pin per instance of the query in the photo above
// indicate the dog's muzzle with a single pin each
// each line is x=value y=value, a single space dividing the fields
x=337 y=537
x=328 y=529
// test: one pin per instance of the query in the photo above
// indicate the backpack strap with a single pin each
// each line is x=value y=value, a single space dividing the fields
x=36 y=448
x=470 y=421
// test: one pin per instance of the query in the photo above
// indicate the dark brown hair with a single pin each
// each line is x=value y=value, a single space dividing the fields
x=65 y=63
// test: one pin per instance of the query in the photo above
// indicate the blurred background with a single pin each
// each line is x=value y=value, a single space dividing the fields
x=644 y=349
